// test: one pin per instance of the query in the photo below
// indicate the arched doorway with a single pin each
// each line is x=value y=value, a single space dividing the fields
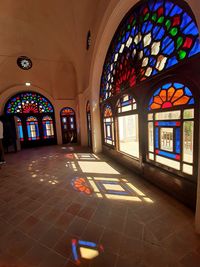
x=30 y=111
x=68 y=125
x=89 y=127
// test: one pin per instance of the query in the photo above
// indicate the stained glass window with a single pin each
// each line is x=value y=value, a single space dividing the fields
x=20 y=129
x=171 y=127
x=29 y=102
x=108 y=126
x=32 y=128
x=48 y=127
x=154 y=36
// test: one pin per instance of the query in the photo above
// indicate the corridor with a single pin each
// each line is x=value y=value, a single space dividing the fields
x=54 y=198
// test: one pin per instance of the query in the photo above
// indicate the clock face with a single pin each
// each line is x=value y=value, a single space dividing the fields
x=24 y=63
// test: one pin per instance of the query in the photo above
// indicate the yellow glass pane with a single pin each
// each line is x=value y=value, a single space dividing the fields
x=170 y=93
x=155 y=106
x=158 y=100
x=182 y=101
x=177 y=95
x=163 y=95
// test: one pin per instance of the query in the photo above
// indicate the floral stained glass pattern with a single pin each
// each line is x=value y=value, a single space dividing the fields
x=171 y=95
x=107 y=112
x=154 y=36
x=28 y=103
x=67 y=112
x=165 y=127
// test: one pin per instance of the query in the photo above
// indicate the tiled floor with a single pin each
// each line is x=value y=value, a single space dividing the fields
x=41 y=212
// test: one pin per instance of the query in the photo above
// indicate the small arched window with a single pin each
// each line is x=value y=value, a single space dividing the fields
x=109 y=137
x=128 y=134
x=171 y=127
x=32 y=128
x=48 y=127
x=20 y=129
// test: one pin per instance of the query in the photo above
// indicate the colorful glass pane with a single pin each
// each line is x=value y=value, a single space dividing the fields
x=154 y=36
x=32 y=128
x=107 y=112
x=20 y=129
x=48 y=129
x=171 y=95
x=126 y=103
x=28 y=103
x=67 y=112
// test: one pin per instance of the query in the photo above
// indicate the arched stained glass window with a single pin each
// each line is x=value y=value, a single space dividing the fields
x=68 y=124
x=154 y=36
x=109 y=137
x=128 y=133
x=171 y=127
x=67 y=112
x=20 y=129
x=48 y=129
x=32 y=128
x=29 y=102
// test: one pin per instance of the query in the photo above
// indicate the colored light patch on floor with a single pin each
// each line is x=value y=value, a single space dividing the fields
x=80 y=184
x=85 y=250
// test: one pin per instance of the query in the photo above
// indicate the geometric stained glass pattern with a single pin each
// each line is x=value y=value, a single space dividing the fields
x=32 y=128
x=29 y=102
x=171 y=131
x=171 y=95
x=154 y=36
x=48 y=129
x=20 y=129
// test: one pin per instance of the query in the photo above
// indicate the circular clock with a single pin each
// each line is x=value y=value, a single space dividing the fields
x=24 y=63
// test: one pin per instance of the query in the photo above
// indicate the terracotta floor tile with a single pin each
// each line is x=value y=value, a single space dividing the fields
x=40 y=214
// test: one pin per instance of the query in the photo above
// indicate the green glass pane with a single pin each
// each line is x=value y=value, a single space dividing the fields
x=129 y=26
x=168 y=24
x=154 y=17
x=182 y=54
x=161 y=19
x=146 y=16
x=133 y=24
x=179 y=42
x=174 y=31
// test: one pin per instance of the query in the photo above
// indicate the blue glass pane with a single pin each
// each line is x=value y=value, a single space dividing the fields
x=167 y=86
x=168 y=7
x=178 y=140
x=185 y=20
x=157 y=137
x=195 y=49
x=21 y=132
x=175 y=11
x=188 y=92
x=178 y=85
x=167 y=154
x=166 y=123
x=191 y=102
x=171 y=62
x=191 y=29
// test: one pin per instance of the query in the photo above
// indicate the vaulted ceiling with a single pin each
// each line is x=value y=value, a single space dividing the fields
x=53 y=34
